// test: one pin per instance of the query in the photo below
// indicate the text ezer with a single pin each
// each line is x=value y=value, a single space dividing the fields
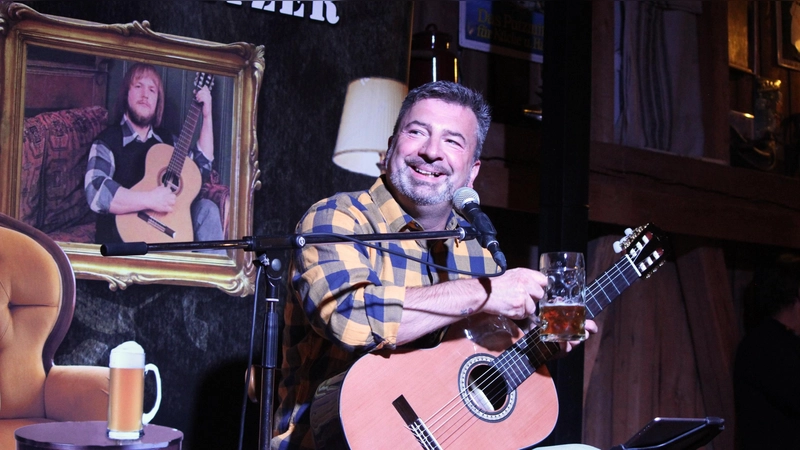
x=321 y=11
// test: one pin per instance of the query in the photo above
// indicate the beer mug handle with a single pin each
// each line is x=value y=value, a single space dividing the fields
x=147 y=417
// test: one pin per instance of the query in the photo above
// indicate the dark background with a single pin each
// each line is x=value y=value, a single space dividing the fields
x=199 y=337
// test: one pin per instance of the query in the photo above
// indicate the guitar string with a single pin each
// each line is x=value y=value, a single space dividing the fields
x=603 y=281
x=425 y=439
x=175 y=165
x=438 y=421
x=528 y=338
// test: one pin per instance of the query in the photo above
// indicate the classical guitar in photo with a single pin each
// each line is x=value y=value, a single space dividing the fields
x=166 y=165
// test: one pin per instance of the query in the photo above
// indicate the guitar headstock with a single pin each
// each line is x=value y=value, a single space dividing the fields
x=202 y=79
x=645 y=247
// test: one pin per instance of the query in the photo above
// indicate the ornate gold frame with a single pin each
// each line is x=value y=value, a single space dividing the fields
x=20 y=26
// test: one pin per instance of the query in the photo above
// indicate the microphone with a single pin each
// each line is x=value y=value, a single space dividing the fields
x=467 y=202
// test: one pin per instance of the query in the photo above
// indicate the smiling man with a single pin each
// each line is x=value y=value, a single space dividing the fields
x=346 y=299
x=117 y=159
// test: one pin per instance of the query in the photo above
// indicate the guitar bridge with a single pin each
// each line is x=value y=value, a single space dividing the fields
x=415 y=424
x=153 y=222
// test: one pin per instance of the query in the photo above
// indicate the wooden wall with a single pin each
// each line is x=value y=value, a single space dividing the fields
x=666 y=347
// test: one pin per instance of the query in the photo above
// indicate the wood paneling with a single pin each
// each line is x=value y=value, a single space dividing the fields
x=712 y=324
x=630 y=186
x=713 y=54
x=664 y=348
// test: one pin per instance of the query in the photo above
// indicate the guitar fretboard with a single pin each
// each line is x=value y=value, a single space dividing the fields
x=175 y=165
x=522 y=359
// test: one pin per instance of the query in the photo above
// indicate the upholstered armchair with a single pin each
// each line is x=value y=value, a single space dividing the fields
x=37 y=300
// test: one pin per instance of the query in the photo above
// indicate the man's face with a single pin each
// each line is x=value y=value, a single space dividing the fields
x=433 y=152
x=142 y=100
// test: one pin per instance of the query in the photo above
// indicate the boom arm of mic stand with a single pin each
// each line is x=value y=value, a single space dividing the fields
x=260 y=244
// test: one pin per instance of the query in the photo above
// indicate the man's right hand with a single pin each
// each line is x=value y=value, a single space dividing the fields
x=161 y=199
x=514 y=294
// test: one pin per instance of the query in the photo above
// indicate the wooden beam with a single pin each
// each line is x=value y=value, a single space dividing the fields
x=696 y=197
x=710 y=314
x=692 y=196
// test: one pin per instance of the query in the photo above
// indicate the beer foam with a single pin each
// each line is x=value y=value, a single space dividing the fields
x=128 y=355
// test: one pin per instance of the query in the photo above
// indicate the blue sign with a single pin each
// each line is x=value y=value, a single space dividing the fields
x=507 y=28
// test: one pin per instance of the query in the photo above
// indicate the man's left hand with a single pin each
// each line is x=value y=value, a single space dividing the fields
x=203 y=96
x=566 y=347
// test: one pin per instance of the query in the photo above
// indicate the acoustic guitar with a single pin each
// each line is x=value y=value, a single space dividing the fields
x=165 y=166
x=484 y=386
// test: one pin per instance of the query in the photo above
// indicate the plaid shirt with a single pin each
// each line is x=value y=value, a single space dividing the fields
x=346 y=299
x=99 y=181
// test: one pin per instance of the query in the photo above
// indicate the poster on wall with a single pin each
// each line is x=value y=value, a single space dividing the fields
x=513 y=29
x=106 y=124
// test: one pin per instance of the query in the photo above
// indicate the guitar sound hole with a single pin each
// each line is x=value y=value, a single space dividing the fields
x=487 y=389
x=484 y=390
x=171 y=180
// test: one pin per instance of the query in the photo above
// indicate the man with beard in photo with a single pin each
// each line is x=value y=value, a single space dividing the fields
x=117 y=159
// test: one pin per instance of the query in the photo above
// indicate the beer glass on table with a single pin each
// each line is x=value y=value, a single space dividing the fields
x=562 y=311
x=126 y=392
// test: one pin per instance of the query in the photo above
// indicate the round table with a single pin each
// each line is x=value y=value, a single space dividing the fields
x=92 y=436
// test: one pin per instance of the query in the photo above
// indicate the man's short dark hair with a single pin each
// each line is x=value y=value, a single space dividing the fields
x=456 y=94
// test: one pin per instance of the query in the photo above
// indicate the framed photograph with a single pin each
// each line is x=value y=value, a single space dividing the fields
x=788 y=53
x=94 y=110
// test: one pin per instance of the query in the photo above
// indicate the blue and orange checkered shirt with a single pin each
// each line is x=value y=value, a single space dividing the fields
x=346 y=299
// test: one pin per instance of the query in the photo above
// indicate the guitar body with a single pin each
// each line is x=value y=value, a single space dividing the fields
x=431 y=382
x=134 y=227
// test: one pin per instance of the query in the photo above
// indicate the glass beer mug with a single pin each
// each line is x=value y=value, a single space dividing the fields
x=126 y=392
x=562 y=311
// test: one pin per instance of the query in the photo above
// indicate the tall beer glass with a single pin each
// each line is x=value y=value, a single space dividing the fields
x=126 y=392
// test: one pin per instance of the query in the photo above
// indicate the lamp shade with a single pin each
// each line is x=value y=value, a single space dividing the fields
x=370 y=111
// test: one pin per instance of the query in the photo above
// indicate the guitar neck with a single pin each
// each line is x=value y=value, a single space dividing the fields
x=185 y=139
x=609 y=285
x=529 y=353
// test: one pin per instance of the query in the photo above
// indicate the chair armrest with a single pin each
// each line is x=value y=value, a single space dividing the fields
x=76 y=393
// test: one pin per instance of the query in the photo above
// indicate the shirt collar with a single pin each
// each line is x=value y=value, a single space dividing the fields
x=129 y=135
x=397 y=218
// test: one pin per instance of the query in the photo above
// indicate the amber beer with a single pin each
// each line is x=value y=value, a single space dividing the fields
x=562 y=310
x=563 y=322
x=126 y=398
x=126 y=392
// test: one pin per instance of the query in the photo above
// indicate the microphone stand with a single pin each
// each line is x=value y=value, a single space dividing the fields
x=259 y=245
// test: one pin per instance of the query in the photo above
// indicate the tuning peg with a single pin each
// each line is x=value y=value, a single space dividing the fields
x=618 y=246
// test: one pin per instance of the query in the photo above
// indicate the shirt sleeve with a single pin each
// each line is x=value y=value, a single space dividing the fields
x=339 y=285
x=98 y=182
x=202 y=162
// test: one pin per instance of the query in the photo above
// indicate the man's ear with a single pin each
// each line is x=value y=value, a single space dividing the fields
x=389 y=143
x=473 y=172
